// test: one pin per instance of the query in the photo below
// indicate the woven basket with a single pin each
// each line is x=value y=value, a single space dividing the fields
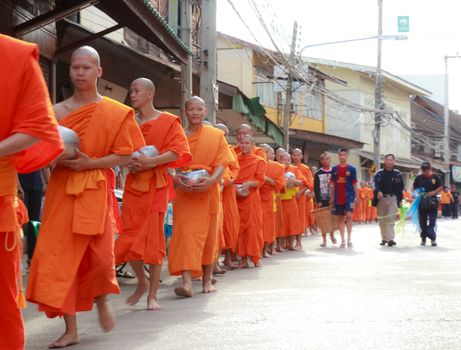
x=325 y=220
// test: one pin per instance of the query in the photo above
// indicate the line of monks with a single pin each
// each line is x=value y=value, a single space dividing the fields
x=248 y=206
x=364 y=211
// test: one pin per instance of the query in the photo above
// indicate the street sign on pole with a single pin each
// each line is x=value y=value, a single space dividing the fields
x=403 y=24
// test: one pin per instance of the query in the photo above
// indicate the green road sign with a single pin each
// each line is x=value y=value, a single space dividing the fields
x=403 y=23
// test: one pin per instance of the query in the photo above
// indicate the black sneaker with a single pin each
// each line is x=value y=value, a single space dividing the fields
x=391 y=243
x=423 y=242
x=434 y=244
x=383 y=243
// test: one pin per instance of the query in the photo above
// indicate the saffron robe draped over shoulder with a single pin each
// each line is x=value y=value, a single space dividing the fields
x=292 y=225
x=231 y=219
x=250 y=239
x=25 y=108
x=195 y=224
x=73 y=260
x=268 y=194
x=146 y=195
x=304 y=203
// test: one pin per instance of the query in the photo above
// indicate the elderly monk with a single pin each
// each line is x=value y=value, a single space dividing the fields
x=73 y=265
x=250 y=179
x=243 y=130
x=231 y=218
x=29 y=140
x=273 y=184
x=192 y=249
x=292 y=225
x=145 y=199
x=302 y=197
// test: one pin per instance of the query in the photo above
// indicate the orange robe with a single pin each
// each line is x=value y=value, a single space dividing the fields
x=25 y=108
x=304 y=202
x=363 y=204
x=292 y=225
x=146 y=194
x=231 y=218
x=250 y=240
x=195 y=220
x=369 y=198
x=276 y=172
x=73 y=261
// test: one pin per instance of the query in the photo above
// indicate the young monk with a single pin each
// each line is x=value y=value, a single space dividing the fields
x=273 y=184
x=250 y=179
x=231 y=219
x=73 y=265
x=280 y=240
x=29 y=140
x=193 y=244
x=145 y=199
x=292 y=225
x=244 y=130
x=308 y=185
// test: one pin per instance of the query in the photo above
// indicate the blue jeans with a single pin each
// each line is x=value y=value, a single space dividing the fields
x=427 y=230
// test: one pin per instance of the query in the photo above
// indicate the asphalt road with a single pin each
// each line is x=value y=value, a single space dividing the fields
x=368 y=297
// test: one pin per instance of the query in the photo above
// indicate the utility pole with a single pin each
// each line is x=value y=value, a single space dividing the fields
x=186 y=68
x=378 y=93
x=446 y=124
x=208 y=72
x=289 y=88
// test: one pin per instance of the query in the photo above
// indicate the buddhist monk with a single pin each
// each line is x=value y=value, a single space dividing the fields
x=231 y=219
x=29 y=140
x=145 y=199
x=278 y=153
x=279 y=247
x=250 y=179
x=362 y=191
x=273 y=184
x=307 y=186
x=243 y=130
x=193 y=244
x=292 y=225
x=73 y=265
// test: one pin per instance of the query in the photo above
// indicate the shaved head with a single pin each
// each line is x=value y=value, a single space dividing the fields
x=247 y=138
x=87 y=51
x=195 y=99
x=243 y=129
x=296 y=150
x=223 y=128
x=269 y=151
x=145 y=83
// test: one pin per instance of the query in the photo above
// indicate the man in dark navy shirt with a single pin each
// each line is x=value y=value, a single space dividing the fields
x=388 y=195
x=432 y=185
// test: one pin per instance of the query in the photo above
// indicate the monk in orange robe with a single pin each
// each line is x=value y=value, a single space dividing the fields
x=145 y=199
x=273 y=184
x=292 y=225
x=363 y=202
x=73 y=264
x=193 y=244
x=231 y=218
x=302 y=197
x=29 y=140
x=250 y=179
x=244 y=130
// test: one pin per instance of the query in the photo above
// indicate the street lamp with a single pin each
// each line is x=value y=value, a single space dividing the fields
x=446 y=120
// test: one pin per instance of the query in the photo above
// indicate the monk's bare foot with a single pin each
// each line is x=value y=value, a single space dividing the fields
x=138 y=293
x=280 y=250
x=274 y=252
x=214 y=281
x=243 y=264
x=258 y=263
x=229 y=266
x=218 y=271
x=266 y=254
x=209 y=288
x=298 y=247
x=106 y=316
x=152 y=304
x=65 y=340
x=183 y=291
x=197 y=279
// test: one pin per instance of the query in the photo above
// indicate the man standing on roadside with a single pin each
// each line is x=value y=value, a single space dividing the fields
x=388 y=196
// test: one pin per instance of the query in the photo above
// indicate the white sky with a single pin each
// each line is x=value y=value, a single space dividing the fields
x=435 y=31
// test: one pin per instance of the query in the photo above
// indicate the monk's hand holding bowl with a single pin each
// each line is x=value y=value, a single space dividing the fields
x=202 y=184
x=270 y=181
x=82 y=162
x=180 y=182
x=142 y=162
